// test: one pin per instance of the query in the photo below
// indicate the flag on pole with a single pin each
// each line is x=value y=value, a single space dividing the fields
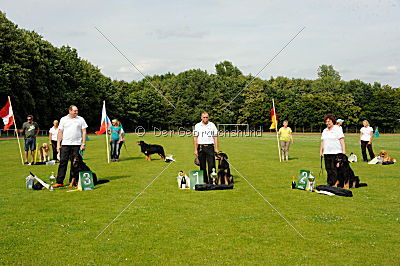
x=6 y=113
x=274 y=125
x=274 y=119
x=105 y=121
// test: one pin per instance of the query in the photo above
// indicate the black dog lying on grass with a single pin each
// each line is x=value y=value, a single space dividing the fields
x=224 y=172
x=78 y=165
x=149 y=149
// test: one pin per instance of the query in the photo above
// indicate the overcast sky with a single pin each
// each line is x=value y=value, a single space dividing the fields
x=360 y=38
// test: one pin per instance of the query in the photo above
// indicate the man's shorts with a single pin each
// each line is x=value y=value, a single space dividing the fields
x=30 y=144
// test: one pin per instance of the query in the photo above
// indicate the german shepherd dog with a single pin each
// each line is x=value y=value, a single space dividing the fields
x=224 y=172
x=78 y=165
x=345 y=175
x=149 y=149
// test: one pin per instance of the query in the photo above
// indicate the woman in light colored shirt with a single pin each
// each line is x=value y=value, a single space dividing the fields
x=53 y=132
x=366 y=133
x=332 y=144
x=285 y=133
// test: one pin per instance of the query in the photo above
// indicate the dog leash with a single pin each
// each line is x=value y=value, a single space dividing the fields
x=81 y=152
x=126 y=149
x=321 y=169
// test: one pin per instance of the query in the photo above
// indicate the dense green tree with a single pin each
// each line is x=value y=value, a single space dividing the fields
x=227 y=69
x=327 y=71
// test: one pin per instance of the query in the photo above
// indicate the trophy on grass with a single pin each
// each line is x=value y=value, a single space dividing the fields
x=214 y=177
x=310 y=183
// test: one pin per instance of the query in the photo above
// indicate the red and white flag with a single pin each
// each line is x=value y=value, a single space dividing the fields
x=6 y=113
x=105 y=121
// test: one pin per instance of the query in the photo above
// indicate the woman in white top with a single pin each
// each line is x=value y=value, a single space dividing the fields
x=366 y=133
x=332 y=144
x=53 y=132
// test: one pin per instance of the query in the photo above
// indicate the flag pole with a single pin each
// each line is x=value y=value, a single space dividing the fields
x=108 y=148
x=16 y=132
x=276 y=129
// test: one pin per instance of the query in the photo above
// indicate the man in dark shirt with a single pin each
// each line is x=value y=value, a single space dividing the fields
x=30 y=129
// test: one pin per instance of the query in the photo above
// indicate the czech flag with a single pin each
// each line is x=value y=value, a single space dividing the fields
x=274 y=119
x=6 y=113
x=105 y=121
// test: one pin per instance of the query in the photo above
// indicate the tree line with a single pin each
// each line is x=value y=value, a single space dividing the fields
x=43 y=80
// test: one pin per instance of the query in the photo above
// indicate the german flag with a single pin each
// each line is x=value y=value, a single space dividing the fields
x=274 y=119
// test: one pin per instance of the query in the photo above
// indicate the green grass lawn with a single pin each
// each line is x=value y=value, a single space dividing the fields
x=166 y=225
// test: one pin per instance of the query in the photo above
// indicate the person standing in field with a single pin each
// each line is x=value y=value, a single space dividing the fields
x=285 y=137
x=206 y=145
x=366 y=134
x=53 y=133
x=116 y=134
x=72 y=134
x=30 y=130
x=332 y=144
x=121 y=139
x=339 y=123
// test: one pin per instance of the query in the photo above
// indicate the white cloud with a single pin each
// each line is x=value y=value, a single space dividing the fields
x=124 y=69
x=181 y=32
x=392 y=69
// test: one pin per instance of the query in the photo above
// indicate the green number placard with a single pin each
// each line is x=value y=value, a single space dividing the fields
x=86 y=180
x=303 y=179
x=196 y=177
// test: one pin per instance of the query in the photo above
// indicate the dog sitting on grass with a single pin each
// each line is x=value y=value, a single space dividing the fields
x=44 y=152
x=224 y=172
x=78 y=165
x=345 y=175
x=149 y=149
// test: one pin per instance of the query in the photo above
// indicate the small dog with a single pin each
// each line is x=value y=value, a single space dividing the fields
x=224 y=172
x=353 y=158
x=346 y=177
x=44 y=152
x=385 y=157
x=78 y=165
x=149 y=149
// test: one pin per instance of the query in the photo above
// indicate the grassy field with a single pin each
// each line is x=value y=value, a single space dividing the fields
x=166 y=225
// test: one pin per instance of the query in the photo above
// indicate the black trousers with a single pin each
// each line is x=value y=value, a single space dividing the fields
x=206 y=158
x=66 y=154
x=331 y=169
x=54 y=148
x=364 y=145
x=119 y=148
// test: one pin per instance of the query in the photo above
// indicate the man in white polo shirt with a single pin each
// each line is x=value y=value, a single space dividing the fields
x=72 y=133
x=206 y=145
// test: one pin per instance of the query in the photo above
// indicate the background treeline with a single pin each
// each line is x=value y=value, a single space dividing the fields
x=44 y=80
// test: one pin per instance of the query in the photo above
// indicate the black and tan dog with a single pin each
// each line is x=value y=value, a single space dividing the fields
x=78 y=165
x=149 y=149
x=345 y=175
x=224 y=172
